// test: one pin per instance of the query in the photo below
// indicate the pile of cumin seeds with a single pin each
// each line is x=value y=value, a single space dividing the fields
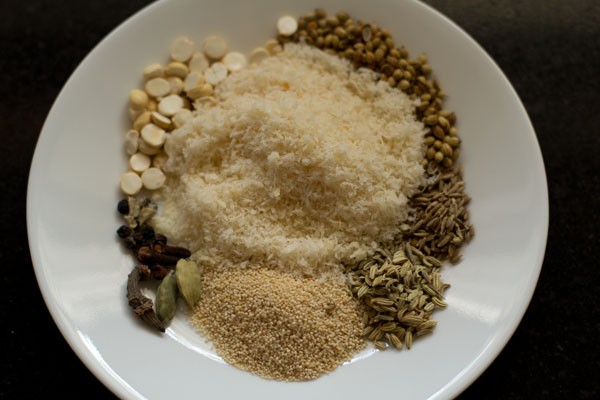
x=440 y=219
x=278 y=325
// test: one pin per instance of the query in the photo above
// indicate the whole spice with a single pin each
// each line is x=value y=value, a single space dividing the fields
x=150 y=248
x=166 y=298
x=156 y=256
x=398 y=292
x=189 y=281
x=141 y=305
x=135 y=238
x=174 y=251
x=123 y=207
x=149 y=255
x=441 y=220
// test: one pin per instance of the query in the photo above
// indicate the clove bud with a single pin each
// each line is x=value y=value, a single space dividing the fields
x=176 y=251
x=148 y=255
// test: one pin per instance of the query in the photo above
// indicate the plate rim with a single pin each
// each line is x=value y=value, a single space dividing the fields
x=121 y=388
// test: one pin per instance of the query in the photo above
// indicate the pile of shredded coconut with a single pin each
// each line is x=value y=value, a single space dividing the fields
x=303 y=163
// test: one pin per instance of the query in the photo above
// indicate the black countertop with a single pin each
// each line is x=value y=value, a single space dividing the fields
x=550 y=51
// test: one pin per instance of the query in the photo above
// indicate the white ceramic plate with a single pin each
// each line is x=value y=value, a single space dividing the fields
x=81 y=268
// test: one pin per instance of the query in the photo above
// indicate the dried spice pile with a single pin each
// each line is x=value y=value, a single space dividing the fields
x=441 y=218
x=399 y=293
x=157 y=260
x=278 y=325
x=315 y=227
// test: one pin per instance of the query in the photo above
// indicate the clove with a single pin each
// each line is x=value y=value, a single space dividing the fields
x=142 y=305
x=168 y=250
x=151 y=249
x=148 y=255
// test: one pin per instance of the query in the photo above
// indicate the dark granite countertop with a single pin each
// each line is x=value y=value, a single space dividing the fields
x=550 y=51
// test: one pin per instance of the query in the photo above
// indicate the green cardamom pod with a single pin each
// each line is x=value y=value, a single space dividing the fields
x=189 y=281
x=166 y=297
